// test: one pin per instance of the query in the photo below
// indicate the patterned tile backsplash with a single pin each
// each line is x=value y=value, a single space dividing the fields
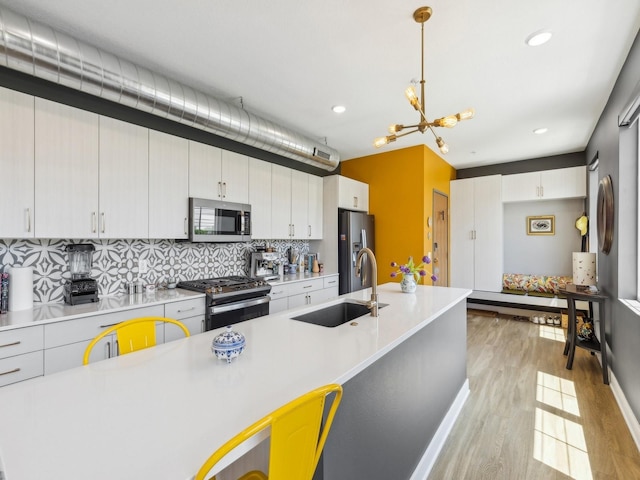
x=115 y=262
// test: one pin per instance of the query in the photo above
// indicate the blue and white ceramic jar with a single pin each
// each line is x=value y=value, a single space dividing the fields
x=408 y=283
x=228 y=345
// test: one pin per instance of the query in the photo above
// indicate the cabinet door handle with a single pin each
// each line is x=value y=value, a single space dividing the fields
x=187 y=310
x=309 y=230
x=186 y=229
x=220 y=189
x=28 y=219
x=11 y=344
x=15 y=370
x=93 y=222
x=107 y=349
x=307 y=286
x=202 y=326
x=331 y=281
x=355 y=202
x=109 y=325
x=224 y=189
x=542 y=190
x=293 y=230
x=103 y=223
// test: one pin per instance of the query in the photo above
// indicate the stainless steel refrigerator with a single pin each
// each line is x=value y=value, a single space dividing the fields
x=355 y=231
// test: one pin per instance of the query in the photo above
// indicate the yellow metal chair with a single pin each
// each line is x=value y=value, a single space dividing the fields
x=133 y=335
x=296 y=439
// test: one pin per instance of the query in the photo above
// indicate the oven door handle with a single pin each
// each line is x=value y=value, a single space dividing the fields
x=238 y=305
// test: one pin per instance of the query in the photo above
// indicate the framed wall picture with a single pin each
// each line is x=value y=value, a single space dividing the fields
x=541 y=225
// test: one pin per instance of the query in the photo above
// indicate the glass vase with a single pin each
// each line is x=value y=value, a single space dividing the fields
x=408 y=283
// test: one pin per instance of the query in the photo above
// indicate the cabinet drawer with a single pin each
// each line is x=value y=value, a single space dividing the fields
x=306 y=286
x=87 y=328
x=279 y=291
x=330 y=281
x=21 y=340
x=185 y=308
x=21 y=367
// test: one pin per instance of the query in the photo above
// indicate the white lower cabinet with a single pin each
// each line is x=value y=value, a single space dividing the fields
x=279 y=295
x=305 y=292
x=21 y=354
x=66 y=341
x=189 y=312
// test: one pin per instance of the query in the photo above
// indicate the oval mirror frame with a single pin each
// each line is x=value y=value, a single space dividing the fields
x=605 y=214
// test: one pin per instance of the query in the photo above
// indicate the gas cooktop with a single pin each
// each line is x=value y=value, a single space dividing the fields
x=221 y=285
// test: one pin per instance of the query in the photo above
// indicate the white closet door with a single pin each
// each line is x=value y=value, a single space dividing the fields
x=462 y=233
x=488 y=219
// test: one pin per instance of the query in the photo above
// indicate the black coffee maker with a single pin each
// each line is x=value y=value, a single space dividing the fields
x=81 y=288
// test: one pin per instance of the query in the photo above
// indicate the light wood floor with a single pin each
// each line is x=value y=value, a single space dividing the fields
x=528 y=417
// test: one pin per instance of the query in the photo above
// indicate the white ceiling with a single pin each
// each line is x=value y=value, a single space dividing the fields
x=292 y=60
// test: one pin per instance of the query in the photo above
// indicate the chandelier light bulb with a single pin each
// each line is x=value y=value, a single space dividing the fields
x=444 y=148
x=412 y=96
x=467 y=114
x=395 y=128
x=380 y=142
x=448 y=122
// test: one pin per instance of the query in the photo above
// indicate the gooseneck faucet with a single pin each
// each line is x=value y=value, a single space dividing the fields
x=373 y=303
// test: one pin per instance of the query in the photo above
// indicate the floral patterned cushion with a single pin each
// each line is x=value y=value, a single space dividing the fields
x=519 y=282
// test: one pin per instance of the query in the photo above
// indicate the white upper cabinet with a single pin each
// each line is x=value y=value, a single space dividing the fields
x=168 y=186
x=218 y=174
x=124 y=180
x=66 y=171
x=205 y=165
x=352 y=194
x=296 y=204
x=260 y=198
x=235 y=177
x=315 y=210
x=16 y=164
x=299 y=205
x=545 y=185
x=280 y=202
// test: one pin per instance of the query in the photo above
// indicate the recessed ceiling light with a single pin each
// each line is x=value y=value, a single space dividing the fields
x=538 y=38
x=338 y=108
x=540 y=131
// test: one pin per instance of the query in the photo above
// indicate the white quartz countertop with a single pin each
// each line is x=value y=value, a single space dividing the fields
x=160 y=412
x=55 y=312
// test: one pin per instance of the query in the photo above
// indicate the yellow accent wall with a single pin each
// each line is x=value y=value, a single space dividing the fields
x=401 y=184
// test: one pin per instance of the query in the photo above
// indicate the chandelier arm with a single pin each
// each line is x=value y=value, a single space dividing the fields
x=435 y=135
x=407 y=133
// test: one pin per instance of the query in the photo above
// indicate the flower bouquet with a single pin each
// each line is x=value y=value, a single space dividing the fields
x=411 y=272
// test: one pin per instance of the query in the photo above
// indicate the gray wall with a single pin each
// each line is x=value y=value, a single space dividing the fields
x=541 y=254
x=617 y=270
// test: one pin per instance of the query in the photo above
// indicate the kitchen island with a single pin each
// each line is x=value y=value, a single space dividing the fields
x=160 y=412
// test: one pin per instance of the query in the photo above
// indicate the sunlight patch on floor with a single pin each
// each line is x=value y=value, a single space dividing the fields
x=552 y=333
x=557 y=392
x=560 y=444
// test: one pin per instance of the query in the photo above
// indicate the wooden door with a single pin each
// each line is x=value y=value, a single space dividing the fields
x=441 y=238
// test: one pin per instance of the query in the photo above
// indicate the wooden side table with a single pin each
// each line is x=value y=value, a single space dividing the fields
x=593 y=345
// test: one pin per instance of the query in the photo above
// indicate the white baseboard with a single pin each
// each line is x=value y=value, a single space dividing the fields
x=433 y=450
x=625 y=408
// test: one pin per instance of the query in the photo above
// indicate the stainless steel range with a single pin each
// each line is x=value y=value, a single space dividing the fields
x=231 y=299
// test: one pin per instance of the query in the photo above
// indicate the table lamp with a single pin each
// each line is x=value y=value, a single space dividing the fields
x=584 y=270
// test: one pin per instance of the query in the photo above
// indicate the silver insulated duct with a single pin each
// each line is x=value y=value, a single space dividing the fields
x=36 y=49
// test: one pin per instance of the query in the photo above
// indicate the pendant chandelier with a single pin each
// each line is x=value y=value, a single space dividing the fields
x=421 y=15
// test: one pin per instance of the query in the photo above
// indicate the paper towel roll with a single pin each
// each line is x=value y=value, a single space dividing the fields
x=20 y=288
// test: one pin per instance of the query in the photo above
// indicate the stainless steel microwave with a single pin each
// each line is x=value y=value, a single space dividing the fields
x=219 y=221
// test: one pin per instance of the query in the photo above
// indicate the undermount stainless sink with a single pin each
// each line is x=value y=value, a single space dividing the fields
x=337 y=314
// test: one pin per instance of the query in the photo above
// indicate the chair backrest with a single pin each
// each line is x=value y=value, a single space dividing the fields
x=296 y=437
x=134 y=334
